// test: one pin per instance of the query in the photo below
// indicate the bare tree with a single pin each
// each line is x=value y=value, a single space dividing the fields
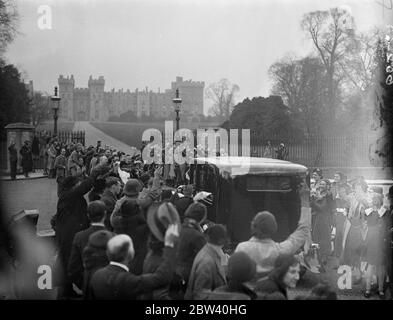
x=222 y=94
x=301 y=84
x=360 y=68
x=39 y=108
x=332 y=33
x=9 y=19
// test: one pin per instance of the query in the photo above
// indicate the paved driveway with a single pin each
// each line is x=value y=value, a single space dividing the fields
x=92 y=135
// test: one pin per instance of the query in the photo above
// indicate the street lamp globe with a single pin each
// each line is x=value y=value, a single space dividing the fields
x=55 y=106
x=177 y=102
x=56 y=99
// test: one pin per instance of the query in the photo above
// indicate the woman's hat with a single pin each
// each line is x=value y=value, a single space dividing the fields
x=132 y=187
x=160 y=216
x=196 y=211
x=241 y=268
x=264 y=225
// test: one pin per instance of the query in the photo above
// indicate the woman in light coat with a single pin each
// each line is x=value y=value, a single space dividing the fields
x=51 y=160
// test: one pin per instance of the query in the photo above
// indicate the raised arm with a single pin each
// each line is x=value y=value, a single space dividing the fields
x=301 y=234
x=163 y=274
x=85 y=186
x=116 y=210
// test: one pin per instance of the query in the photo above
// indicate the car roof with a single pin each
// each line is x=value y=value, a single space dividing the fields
x=380 y=182
x=254 y=165
x=375 y=182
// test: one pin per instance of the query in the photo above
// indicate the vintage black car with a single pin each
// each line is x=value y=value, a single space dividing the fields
x=244 y=186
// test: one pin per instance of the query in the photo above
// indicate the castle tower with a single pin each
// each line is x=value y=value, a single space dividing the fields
x=66 y=92
x=97 y=110
x=191 y=93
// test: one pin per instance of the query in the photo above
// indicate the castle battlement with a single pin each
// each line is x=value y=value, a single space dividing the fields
x=94 y=82
x=187 y=83
x=81 y=90
x=68 y=80
x=120 y=92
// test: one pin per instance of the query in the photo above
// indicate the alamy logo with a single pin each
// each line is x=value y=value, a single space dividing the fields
x=179 y=147
x=45 y=280
x=345 y=280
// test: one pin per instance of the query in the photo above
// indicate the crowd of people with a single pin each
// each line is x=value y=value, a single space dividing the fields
x=280 y=152
x=56 y=157
x=128 y=230
x=354 y=216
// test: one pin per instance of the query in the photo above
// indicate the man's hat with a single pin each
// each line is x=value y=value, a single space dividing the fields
x=99 y=239
x=160 y=216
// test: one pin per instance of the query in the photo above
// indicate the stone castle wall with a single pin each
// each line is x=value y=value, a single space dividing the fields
x=95 y=104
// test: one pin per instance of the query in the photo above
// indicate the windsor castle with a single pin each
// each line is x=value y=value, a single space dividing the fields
x=95 y=104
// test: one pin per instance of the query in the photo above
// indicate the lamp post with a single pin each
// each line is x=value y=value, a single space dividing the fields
x=55 y=106
x=177 y=102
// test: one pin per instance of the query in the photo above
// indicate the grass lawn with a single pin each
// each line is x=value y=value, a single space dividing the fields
x=61 y=126
x=131 y=133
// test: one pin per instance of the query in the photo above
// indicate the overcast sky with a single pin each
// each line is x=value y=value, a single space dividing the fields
x=135 y=44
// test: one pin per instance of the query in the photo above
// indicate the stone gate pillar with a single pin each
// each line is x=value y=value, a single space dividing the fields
x=19 y=133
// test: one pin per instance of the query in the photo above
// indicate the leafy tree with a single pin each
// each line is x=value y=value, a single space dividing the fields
x=8 y=23
x=14 y=99
x=222 y=94
x=265 y=117
x=210 y=118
